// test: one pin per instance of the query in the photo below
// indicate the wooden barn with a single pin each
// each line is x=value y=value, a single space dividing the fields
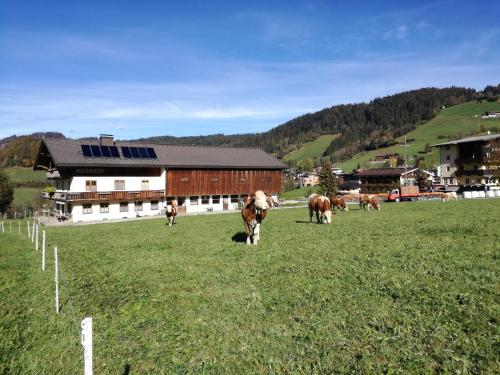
x=108 y=179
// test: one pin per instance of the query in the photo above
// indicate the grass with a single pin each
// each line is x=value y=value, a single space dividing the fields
x=311 y=150
x=298 y=193
x=25 y=175
x=25 y=196
x=410 y=289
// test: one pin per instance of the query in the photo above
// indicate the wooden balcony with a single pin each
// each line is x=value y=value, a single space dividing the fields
x=114 y=195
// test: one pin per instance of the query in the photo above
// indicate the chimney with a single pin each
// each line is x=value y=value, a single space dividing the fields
x=106 y=139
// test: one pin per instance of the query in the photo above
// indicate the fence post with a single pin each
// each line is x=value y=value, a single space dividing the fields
x=29 y=232
x=56 y=279
x=86 y=340
x=19 y=227
x=36 y=239
x=3 y=229
x=43 y=250
x=33 y=232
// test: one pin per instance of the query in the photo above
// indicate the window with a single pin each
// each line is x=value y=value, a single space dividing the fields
x=91 y=185
x=123 y=206
x=447 y=157
x=138 y=206
x=145 y=184
x=104 y=208
x=154 y=205
x=234 y=198
x=216 y=199
x=467 y=181
x=181 y=201
x=193 y=201
x=184 y=179
x=119 y=184
x=447 y=168
x=170 y=200
x=87 y=209
x=475 y=166
x=205 y=199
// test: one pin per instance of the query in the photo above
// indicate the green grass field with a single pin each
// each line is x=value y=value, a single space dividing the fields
x=311 y=150
x=25 y=196
x=410 y=289
x=299 y=193
x=25 y=175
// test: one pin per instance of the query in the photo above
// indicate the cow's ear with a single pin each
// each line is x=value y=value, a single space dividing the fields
x=250 y=201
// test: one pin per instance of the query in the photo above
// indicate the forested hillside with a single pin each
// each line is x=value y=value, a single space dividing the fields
x=362 y=126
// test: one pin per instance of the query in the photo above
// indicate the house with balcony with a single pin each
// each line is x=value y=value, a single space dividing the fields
x=108 y=179
x=470 y=161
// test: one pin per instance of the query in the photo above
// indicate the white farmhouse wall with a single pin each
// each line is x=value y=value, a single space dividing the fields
x=114 y=211
x=107 y=183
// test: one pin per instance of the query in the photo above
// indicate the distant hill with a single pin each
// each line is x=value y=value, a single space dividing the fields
x=454 y=122
x=20 y=151
x=361 y=126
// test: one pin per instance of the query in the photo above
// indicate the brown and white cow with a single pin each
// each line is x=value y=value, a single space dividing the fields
x=338 y=203
x=322 y=207
x=365 y=201
x=171 y=212
x=450 y=196
x=253 y=212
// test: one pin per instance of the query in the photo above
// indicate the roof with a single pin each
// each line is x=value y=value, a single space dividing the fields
x=469 y=139
x=68 y=153
x=384 y=172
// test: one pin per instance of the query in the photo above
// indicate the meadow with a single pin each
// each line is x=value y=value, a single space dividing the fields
x=410 y=289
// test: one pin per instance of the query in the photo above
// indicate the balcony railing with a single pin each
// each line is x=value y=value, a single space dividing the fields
x=114 y=195
x=477 y=172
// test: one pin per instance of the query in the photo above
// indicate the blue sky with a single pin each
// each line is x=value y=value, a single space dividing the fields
x=144 y=68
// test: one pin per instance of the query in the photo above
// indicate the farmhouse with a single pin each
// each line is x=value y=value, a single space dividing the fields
x=107 y=179
x=381 y=180
x=471 y=161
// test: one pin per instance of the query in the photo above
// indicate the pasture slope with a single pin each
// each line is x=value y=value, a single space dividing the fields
x=311 y=150
x=410 y=289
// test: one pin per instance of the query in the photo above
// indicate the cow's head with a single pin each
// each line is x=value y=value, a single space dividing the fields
x=327 y=217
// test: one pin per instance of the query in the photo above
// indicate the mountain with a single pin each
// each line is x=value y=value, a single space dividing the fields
x=358 y=127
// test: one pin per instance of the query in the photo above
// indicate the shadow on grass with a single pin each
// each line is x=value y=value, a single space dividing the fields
x=126 y=369
x=240 y=237
x=303 y=222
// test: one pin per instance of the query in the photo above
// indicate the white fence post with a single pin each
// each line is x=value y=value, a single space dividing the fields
x=3 y=228
x=33 y=232
x=19 y=227
x=43 y=250
x=36 y=239
x=87 y=345
x=56 y=279
x=29 y=232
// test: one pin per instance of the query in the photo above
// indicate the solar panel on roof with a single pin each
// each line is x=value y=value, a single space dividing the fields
x=114 y=151
x=105 y=152
x=151 y=153
x=143 y=153
x=126 y=152
x=134 y=152
x=96 y=151
x=86 y=150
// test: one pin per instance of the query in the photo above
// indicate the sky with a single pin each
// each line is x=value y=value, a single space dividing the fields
x=149 y=68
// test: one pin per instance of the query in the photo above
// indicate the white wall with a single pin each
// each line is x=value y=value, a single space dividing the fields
x=450 y=154
x=114 y=211
x=107 y=183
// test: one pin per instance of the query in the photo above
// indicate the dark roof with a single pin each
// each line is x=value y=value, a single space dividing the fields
x=68 y=153
x=469 y=139
x=382 y=172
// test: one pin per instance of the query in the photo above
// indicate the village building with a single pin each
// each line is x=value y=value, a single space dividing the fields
x=470 y=161
x=382 y=180
x=309 y=179
x=108 y=179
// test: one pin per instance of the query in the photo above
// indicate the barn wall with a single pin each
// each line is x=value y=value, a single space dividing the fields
x=184 y=182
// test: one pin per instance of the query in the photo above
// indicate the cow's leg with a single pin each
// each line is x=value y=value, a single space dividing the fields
x=317 y=217
x=247 y=230
x=256 y=234
x=310 y=214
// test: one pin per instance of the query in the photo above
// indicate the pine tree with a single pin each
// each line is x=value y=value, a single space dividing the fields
x=6 y=192
x=328 y=183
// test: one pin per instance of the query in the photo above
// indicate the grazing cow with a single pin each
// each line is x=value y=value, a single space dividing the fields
x=450 y=196
x=338 y=203
x=253 y=212
x=365 y=201
x=171 y=213
x=321 y=205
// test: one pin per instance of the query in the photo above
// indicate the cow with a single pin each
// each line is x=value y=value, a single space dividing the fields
x=365 y=201
x=171 y=212
x=338 y=203
x=450 y=196
x=254 y=210
x=321 y=205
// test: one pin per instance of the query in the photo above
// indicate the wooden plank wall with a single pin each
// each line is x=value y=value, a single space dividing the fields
x=185 y=182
